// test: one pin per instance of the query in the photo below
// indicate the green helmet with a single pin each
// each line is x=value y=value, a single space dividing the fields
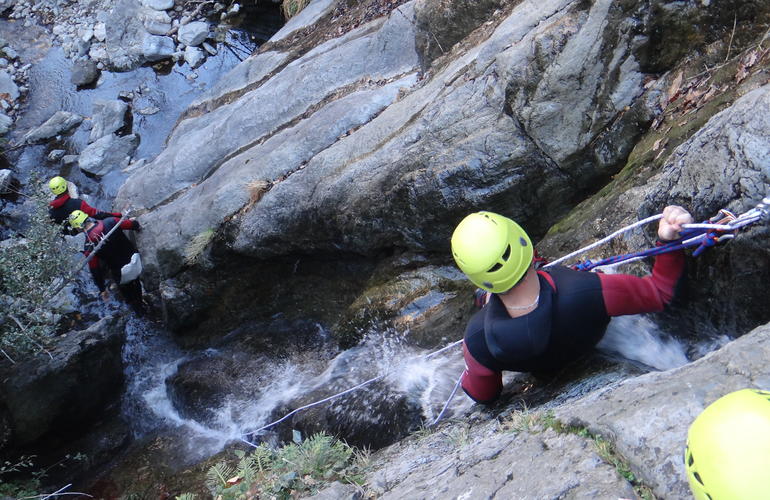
x=58 y=185
x=492 y=250
x=728 y=448
x=77 y=218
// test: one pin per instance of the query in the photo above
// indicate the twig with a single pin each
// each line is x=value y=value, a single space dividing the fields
x=24 y=331
x=237 y=56
x=730 y=45
x=7 y=356
x=192 y=16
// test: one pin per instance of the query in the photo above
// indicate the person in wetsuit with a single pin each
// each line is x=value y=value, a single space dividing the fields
x=538 y=320
x=115 y=253
x=63 y=205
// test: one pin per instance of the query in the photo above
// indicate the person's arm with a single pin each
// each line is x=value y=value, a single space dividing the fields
x=626 y=294
x=479 y=382
x=131 y=224
x=97 y=214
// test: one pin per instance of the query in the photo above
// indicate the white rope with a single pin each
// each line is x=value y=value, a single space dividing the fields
x=451 y=396
x=347 y=391
x=606 y=239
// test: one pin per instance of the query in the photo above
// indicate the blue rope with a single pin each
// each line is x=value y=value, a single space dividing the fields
x=704 y=236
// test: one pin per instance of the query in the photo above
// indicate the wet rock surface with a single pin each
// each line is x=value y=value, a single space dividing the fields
x=56 y=399
x=400 y=176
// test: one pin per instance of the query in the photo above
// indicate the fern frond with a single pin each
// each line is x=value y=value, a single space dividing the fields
x=217 y=475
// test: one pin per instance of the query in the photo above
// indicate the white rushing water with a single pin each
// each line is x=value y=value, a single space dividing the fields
x=637 y=338
x=151 y=358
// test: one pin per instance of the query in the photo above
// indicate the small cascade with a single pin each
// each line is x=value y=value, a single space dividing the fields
x=151 y=359
x=637 y=338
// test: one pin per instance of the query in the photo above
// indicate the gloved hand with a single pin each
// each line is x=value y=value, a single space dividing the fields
x=137 y=227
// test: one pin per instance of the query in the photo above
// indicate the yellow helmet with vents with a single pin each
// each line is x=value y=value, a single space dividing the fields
x=728 y=448
x=492 y=250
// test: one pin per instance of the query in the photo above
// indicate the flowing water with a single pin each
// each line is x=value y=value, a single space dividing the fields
x=266 y=386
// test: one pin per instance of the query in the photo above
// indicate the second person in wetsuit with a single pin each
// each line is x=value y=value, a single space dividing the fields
x=115 y=253
x=540 y=320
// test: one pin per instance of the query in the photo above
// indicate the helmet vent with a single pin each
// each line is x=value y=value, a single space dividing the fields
x=697 y=478
x=690 y=460
x=495 y=268
x=522 y=241
x=507 y=254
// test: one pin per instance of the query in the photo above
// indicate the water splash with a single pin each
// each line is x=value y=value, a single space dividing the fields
x=637 y=338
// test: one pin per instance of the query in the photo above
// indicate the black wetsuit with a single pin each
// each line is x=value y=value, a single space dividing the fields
x=62 y=206
x=114 y=254
x=572 y=314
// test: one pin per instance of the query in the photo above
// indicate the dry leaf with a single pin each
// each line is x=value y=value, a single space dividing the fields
x=673 y=90
x=234 y=480
x=656 y=145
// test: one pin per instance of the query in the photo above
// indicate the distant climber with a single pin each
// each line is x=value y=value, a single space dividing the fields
x=538 y=320
x=63 y=205
x=117 y=254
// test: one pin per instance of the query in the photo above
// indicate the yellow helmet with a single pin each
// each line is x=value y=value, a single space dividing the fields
x=77 y=218
x=492 y=250
x=58 y=185
x=728 y=448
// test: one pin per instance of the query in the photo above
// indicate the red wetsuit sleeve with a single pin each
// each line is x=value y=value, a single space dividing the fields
x=626 y=294
x=128 y=224
x=96 y=214
x=479 y=382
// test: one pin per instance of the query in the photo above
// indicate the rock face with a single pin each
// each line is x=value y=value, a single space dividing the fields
x=527 y=112
x=61 y=397
x=528 y=454
x=650 y=431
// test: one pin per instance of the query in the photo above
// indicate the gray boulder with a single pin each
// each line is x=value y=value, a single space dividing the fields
x=6 y=180
x=60 y=123
x=124 y=36
x=59 y=397
x=194 y=56
x=158 y=4
x=157 y=28
x=156 y=48
x=84 y=72
x=56 y=155
x=9 y=91
x=109 y=117
x=5 y=123
x=194 y=33
x=107 y=154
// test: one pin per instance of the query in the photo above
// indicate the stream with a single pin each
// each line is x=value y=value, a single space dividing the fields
x=265 y=387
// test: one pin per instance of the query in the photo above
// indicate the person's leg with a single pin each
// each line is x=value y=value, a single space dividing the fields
x=132 y=294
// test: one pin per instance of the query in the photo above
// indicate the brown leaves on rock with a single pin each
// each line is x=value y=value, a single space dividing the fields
x=749 y=61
